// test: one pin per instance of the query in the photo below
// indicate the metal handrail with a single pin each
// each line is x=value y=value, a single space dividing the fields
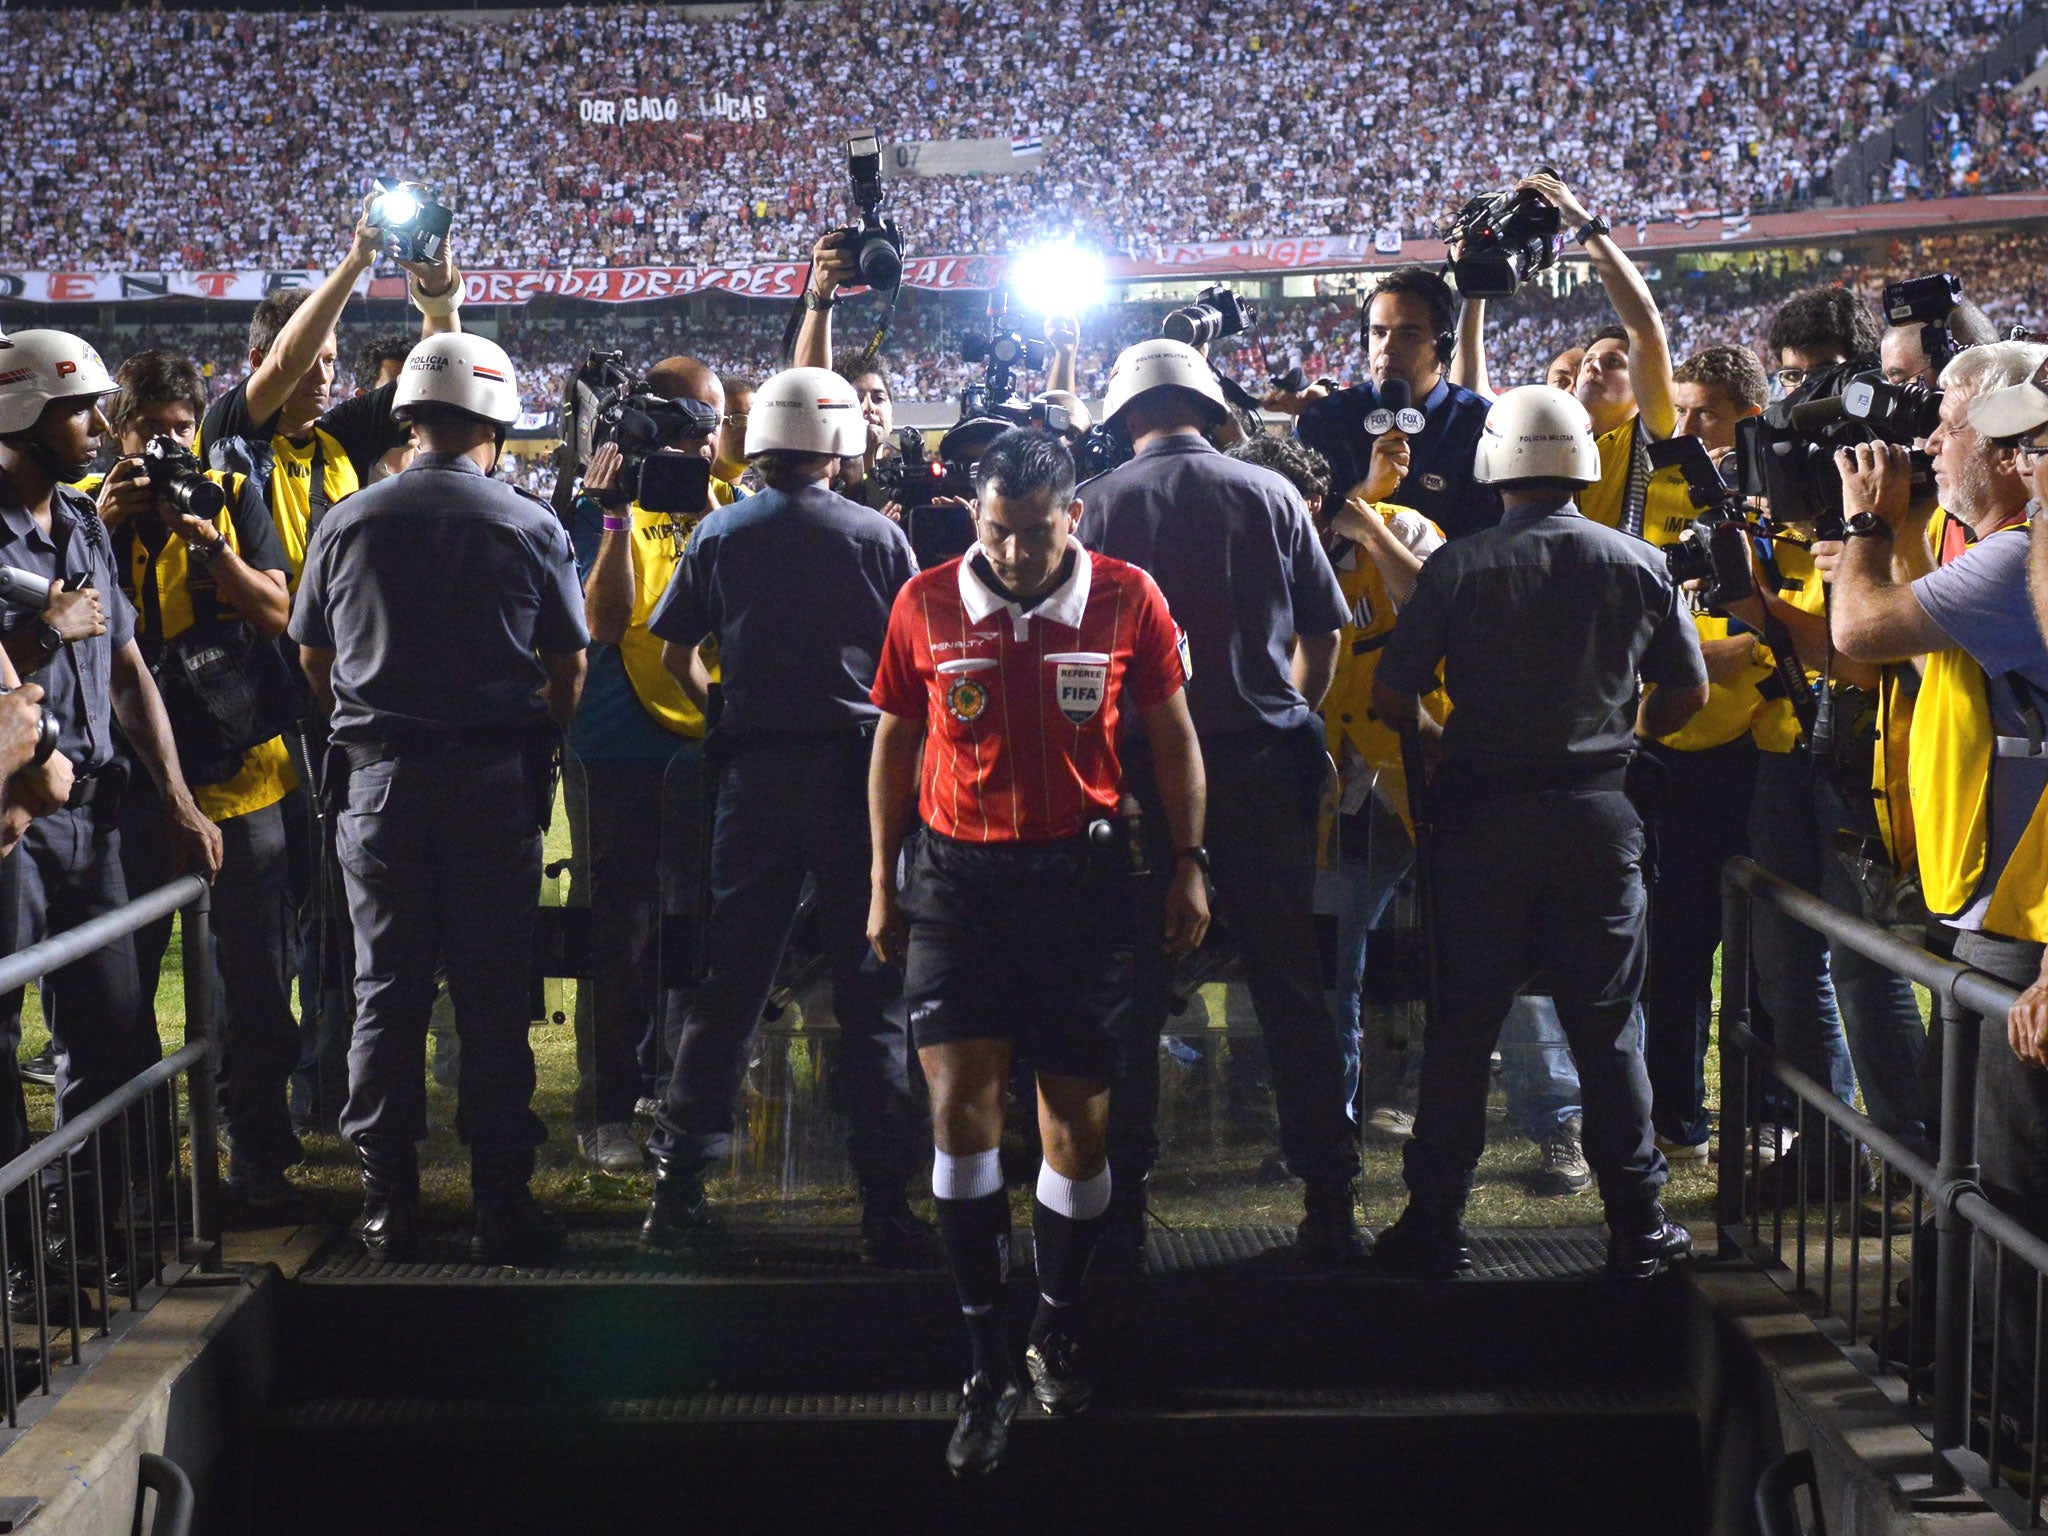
x=74 y=944
x=1962 y=1214
x=74 y=1133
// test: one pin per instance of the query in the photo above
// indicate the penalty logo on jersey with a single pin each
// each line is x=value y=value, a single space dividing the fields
x=1081 y=686
x=966 y=699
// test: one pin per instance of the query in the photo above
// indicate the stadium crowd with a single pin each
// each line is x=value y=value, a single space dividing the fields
x=1653 y=108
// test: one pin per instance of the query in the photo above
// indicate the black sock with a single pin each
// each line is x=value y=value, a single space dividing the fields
x=1063 y=1246
x=976 y=1235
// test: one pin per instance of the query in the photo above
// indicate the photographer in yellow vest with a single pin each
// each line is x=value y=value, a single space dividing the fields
x=219 y=581
x=639 y=743
x=1978 y=768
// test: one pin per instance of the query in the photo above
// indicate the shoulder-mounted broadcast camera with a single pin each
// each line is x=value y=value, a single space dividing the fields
x=1787 y=455
x=605 y=403
x=1503 y=240
x=415 y=227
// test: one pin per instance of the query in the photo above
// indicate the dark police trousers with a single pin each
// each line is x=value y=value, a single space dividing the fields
x=1699 y=815
x=66 y=870
x=644 y=846
x=787 y=809
x=1261 y=836
x=253 y=950
x=1539 y=885
x=441 y=852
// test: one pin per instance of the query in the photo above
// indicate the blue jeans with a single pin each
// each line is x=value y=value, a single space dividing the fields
x=1536 y=1068
x=1793 y=976
x=1364 y=882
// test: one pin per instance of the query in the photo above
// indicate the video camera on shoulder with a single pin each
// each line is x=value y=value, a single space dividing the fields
x=1715 y=549
x=606 y=403
x=1217 y=312
x=1787 y=455
x=176 y=478
x=1927 y=302
x=415 y=227
x=1503 y=240
x=876 y=246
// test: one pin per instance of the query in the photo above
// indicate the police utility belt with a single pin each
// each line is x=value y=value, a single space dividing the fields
x=538 y=741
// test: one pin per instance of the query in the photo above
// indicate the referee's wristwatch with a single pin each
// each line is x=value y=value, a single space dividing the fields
x=1198 y=853
x=1593 y=228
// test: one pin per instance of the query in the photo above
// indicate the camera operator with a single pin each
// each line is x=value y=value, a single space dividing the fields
x=1976 y=763
x=1410 y=319
x=791 y=757
x=440 y=626
x=219 y=581
x=833 y=266
x=1233 y=548
x=67 y=869
x=1537 y=862
x=1695 y=785
x=639 y=741
x=1836 y=1015
x=1063 y=366
x=1624 y=378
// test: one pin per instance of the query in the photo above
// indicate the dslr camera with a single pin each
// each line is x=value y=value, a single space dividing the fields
x=1216 y=313
x=1503 y=240
x=415 y=227
x=606 y=403
x=876 y=246
x=176 y=478
x=1715 y=549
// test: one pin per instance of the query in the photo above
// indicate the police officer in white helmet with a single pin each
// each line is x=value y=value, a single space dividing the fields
x=795 y=585
x=81 y=650
x=1561 y=642
x=1234 y=550
x=441 y=625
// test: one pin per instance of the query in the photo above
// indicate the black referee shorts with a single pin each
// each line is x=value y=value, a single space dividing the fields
x=1025 y=942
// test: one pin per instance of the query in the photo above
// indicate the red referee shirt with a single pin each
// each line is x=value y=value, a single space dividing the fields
x=1021 y=706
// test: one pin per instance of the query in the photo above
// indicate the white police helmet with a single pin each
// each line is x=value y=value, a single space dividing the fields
x=807 y=410
x=37 y=367
x=468 y=372
x=1160 y=363
x=1537 y=433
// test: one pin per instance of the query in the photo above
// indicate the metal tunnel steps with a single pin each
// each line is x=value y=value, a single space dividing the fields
x=791 y=1391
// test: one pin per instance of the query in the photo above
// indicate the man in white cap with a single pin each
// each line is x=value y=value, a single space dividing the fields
x=1547 y=629
x=440 y=623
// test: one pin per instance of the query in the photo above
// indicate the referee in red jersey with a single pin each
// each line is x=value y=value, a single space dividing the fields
x=1011 y=668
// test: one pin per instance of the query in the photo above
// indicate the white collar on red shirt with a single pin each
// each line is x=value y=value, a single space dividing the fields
x=1065 y=604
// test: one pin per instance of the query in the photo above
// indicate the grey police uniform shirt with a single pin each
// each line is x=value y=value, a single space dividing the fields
x=796 y=586
x=435 y=589
x=1543 y=624
x=78 y=682
x=1236 y=554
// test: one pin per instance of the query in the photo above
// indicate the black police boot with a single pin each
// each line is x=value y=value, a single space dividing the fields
x=1328 y=1237
x=389 y=1227
x=63 y=1247
x=892 y=1235
x=1426 y=1243
x=982 y=1432
x=1645 y=1251
x=1120 y=1249
x=511 y=1228
x=680 y=1216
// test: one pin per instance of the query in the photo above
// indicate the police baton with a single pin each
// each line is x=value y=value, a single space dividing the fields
x=1425 y=871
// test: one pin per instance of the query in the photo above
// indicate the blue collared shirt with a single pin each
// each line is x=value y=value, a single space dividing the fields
x=78 y=682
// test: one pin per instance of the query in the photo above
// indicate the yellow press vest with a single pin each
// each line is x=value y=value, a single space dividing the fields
x=659 y=539
x=1348 y=716
x=1952 y=762
x=1667 y=513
